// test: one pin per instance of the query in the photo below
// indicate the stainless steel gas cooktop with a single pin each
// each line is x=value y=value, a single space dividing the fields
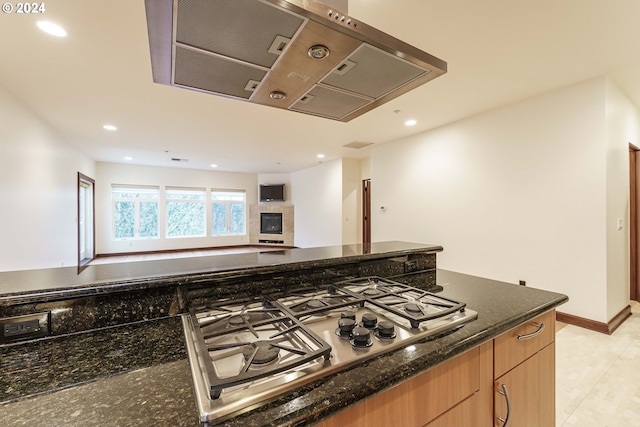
x=246 y=352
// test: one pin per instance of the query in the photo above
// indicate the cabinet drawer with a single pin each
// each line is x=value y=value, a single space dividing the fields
x=520 y=343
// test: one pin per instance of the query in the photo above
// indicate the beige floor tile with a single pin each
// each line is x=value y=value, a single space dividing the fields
x=598 y=376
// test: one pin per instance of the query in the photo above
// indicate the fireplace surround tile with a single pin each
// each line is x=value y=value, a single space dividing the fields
x=287 y=236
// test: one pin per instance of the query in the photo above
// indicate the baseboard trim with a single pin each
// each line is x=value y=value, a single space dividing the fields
x=605 y=328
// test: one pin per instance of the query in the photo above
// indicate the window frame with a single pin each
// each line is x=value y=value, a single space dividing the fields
x=168 y=200
x=227 y=203
x=140 y=189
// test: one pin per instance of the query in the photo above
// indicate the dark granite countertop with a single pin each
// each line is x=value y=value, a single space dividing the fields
x=135 y=374
x=19 y=287
x=160 y=394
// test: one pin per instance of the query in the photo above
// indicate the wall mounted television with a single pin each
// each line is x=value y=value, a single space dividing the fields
x=272 y=193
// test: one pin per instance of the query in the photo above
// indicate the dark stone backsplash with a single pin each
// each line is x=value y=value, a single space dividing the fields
x=117 y=308
x=420 y=279
x=87 y=313
x=195 y=296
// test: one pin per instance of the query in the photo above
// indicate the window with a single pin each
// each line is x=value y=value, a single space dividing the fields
x=146 y=212
x=228 y=212
x=135 y=212
x=186 y=214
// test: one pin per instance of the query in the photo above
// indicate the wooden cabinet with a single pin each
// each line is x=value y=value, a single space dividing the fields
x=467 y=390
x=524 y=367
x=463 y=414
x=421 y=399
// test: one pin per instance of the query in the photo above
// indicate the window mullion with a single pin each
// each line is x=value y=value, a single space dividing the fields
x=136 y=220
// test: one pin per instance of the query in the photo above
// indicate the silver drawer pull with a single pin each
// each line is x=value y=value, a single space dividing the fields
x=537 y=332
x=505 y=393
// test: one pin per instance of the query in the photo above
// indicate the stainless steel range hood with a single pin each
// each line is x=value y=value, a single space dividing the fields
x=300 y=55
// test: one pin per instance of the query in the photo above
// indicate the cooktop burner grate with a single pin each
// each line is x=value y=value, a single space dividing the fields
x=413 y=304
x=239 y=344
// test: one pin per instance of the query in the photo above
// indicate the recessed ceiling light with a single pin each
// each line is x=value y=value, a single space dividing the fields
x=128 y=158
x=320 y=156
x=214 y=165
x=109 y=127
x=410 y=123
x=51 y=28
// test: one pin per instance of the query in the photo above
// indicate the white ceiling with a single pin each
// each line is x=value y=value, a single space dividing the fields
x=498 y=52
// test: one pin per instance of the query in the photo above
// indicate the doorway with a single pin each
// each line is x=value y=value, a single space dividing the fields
x=366 y=211
x=634 y=183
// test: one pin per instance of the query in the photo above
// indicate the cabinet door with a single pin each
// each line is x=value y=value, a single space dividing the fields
x=417 y=401
x=525 y=396
x=463 y=414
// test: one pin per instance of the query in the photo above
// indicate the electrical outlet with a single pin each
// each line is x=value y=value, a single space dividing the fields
x=25 y=327
x=410 y=266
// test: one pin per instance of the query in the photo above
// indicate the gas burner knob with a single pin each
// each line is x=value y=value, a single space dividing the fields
x=369 y=320
x=345 y=326
x=361 y=337
x=348 y=314
x=386 y=329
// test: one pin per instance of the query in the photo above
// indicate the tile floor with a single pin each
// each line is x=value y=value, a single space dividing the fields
x=598 y=376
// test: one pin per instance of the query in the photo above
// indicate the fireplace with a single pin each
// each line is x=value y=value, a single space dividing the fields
x=270 y=223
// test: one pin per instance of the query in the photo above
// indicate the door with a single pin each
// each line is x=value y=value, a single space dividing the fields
x=634 y=286
x=366 y=211
x=86 y=220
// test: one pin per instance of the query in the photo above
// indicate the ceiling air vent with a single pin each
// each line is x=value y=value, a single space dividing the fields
x=358 y=144
x=178 y=159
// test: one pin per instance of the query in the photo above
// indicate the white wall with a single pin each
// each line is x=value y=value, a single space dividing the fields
x=38 y=184
x=114 y=173
x=351 y=201
x=518 y=193
x=623 y=128
x=365 y=168
x=317 y=195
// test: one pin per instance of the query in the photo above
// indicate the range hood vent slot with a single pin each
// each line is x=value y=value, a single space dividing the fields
x=249 y=49
x=251 y=85
x=306 y=99
x=278 y=45
x=344 y=67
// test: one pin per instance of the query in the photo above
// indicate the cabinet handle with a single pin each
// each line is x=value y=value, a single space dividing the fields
x=505 y=393
x=537 y=332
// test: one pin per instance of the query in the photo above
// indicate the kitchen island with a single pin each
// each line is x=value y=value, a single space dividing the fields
x=133 y=373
